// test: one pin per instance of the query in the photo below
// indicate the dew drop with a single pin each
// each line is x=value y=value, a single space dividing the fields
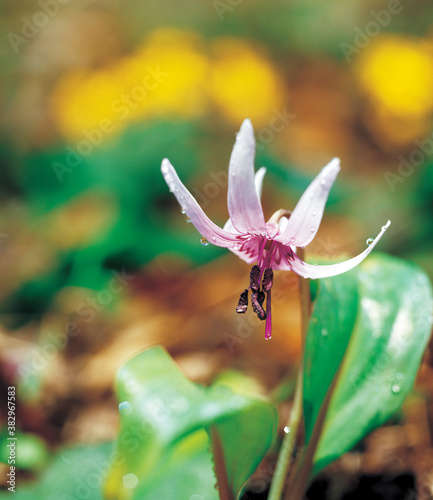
x=396 y=389
x=213 y=238
x=369 y=241
x=375 y=334
x=125 y=408
x=287 y=429
x=185 y=216
x=323 y=182
x=324 y=332
x=235 y=246
x=130 y=481
x=204 y=241
x=314 y=213
x=312 y=229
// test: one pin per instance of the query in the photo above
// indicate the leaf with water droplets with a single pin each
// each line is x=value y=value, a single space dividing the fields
x=163 y=438
x=386 y=330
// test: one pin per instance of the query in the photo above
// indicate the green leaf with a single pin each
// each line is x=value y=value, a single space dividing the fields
x=75 y=472
x=387 y=340
x=161 y=410
x=327 y=339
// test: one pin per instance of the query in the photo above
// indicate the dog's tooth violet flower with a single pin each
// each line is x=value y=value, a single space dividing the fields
x=270 y=244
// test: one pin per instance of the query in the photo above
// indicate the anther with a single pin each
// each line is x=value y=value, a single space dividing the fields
x=257 y=299
x=255 y=278
x=268 y=279
x=242 y=306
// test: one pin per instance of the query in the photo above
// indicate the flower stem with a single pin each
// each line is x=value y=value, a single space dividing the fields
x=301 y=475
x=296 y=415
x=220 y=466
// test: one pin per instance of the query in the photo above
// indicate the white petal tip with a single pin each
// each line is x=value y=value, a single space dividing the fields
x=334 y=164
x=246 y=127
x=165 y=164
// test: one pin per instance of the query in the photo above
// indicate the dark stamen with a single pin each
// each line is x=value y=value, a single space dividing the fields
x=257 y=299
x=255 y=278
x=268 y=279
x=243 y=302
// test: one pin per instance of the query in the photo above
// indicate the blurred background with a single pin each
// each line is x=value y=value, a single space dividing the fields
x=96 y=260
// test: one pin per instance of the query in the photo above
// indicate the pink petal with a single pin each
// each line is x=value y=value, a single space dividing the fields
x=203 y=224
x=258 y=182
x=244 y=205
x=305 y=220
x=246 y=249
x=309 y=271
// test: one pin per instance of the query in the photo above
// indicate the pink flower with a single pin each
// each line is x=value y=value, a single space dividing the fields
x=272 y=245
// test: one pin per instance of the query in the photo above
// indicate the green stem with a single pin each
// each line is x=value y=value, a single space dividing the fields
x=220 y=466
x=288 y=444
x=302 y=473
x=296 y=415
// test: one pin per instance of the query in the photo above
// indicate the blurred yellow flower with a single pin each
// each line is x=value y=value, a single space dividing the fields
x=171 y=75
x=82 y=99
x=243 y=83
x=396 y=75
x=182 y=91
x=167 y=75
x=396 y=72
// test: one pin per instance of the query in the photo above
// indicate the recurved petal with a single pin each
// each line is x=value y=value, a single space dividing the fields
x=310 y=271
x=244 y=205
x=203 y=224
x=305 y=220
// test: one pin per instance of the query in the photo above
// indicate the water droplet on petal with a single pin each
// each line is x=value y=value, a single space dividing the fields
x=396 y=389
x=235 y=246
x=213 y=238
x=185 y=216
x=125 y=408
x=204 y=241
x=314 y=213
x=323 y=182
x=369 y=241
x=287 y=429
x=312 y=229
